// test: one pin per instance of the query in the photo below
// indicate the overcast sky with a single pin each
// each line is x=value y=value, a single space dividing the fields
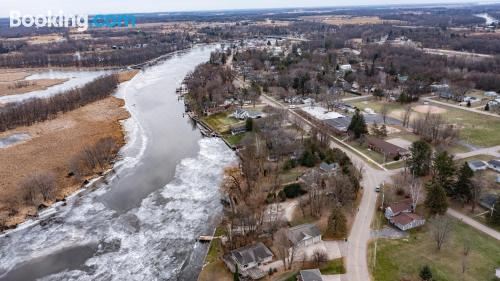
x=134 y=6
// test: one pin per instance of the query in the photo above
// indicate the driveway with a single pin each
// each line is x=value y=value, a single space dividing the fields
x=330 y=247
x=357 y=245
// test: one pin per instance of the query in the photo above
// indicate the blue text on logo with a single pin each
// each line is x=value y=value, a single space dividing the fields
x=111 y=21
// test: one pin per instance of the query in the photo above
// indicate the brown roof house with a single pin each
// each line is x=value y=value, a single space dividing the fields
x=389 y=150
x=401 y=215
x=248 y=259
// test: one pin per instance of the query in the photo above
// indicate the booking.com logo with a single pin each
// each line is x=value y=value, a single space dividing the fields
x=81 y=22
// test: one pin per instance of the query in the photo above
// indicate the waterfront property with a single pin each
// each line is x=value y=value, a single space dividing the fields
x=248 y=259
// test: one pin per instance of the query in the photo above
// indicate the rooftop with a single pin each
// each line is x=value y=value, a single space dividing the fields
x=476 y=163
x=311 y=275
x=251 y=253
x=301 y=232
x=397 y=207
x=405 y=218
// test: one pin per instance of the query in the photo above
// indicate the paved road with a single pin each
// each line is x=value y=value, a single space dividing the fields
x=477 y=225
x=357 y=245
x=429 y=99
x=493 y=151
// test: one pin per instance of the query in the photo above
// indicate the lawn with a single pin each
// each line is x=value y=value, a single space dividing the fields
x=332 y=267
x=403 y=259
x=477 y=129
x=234 y=139
x=376 y=156
x=292 y=174
x=220 y=122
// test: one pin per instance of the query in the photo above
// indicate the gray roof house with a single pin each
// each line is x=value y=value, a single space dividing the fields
x=477 y=165
x=328 y=168
x=245 y=114
x=304 y=235
x=248 y=259
x=494 y=164
x=310 y=275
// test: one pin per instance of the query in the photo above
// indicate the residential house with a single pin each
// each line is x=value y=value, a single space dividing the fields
x=397 y=208
x=328 y=168
x=405 y=221
x=310 y=275
x=345 y=67
x=389 y=150
x=488 y=201
x=245 y=114
x=477 y=165
x=400 y=214
x=248 y=259
x=238 y=130
x=304 y=235
x=491 y=94
x=494 y=164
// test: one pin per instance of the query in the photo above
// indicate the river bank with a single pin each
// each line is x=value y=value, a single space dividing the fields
x=161 y=195
x=49 y=147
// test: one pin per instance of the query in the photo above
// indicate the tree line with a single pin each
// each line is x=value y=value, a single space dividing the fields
x=34 y=110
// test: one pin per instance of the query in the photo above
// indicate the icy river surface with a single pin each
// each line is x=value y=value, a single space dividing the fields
x=143 y=220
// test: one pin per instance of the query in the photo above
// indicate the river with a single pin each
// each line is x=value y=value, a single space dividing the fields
x=141 y=224
x=489 y=19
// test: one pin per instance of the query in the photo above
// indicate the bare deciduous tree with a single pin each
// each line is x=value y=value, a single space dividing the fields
x=319 y=257
x=39 y=187
x=286 y=251
x=441 y=228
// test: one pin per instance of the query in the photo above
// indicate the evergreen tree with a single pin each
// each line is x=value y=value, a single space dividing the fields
x=337 y=223
x=444 y=170
x=236 y=275
x=463 y=186
x=420 y=160
x=436 y=200
x=426 y=273
x=249 y=124
x=487 y=107
x=358 y=125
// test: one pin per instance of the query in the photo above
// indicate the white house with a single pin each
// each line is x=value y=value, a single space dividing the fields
x=248 y=259
x=494 y=165
x=477 y=165
x=304 y=235
x=245 y=114
x=345 y=67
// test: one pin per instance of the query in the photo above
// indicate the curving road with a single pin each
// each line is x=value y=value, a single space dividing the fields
x=357 y=244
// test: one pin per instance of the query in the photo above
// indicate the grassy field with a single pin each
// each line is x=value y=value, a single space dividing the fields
x=335 y=266
x=220 y=122
x=475 y=128
x=403 y=259
x=234 y=140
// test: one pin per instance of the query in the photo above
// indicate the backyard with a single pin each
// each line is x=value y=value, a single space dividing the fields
x=402 y=259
